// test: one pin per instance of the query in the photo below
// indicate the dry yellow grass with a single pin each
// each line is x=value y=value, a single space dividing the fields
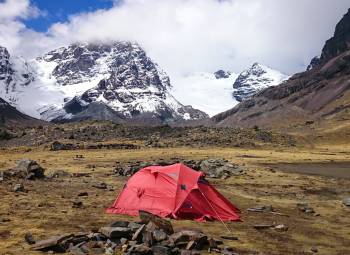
x=47 y=208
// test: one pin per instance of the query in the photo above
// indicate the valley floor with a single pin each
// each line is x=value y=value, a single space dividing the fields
x=46 y=209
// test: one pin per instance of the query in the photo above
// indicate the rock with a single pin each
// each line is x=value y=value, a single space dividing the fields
x=346 y=201
x=139 y=249
x=187 y=236
x=147 y=238
x=2 y=176
x=115 y=232
x=161 y=223
x=161 y=250
x=263 y=226
x=109 y=251
x=185 y=252
x=83 y=194
x=29 y=169
x=56 y=243
x=262 y=208
x=219 y=168
x=122 y=224
x=29 y=238
x=138 y=232
x=159 y=235
x=304 y=207
x=221 y=74
x=19 y=188
x=134 y=226
x=314 y=249
x=56 y=146
x=281 y=228
x=59 y=174
x=101 y=185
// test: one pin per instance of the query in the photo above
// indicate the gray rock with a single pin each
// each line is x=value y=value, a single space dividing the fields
x=161 y=250
x=29 y=169
x=159 y=235
x=139 y=249
x=19 y=188
x=56 y=243
x=115 y=232
x=346 y=201
x=122 y=224
x=219 y=168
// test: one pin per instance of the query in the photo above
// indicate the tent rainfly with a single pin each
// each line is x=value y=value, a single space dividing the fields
x=174 y=191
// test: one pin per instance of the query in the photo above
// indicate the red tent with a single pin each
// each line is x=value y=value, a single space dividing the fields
x=174 y=191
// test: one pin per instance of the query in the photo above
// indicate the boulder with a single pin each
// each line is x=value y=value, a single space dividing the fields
x=161 y=223
x=29 y=169
x=219 y=168
x=56 y=243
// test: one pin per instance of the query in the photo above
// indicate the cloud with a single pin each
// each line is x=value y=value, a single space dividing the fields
x=186 y=36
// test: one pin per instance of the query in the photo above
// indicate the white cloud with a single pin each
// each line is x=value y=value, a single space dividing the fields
x=193 y=35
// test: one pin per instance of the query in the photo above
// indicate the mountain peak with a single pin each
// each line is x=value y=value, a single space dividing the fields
x=254 y=79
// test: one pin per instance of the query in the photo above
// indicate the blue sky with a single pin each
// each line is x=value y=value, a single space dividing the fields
x=59 y=11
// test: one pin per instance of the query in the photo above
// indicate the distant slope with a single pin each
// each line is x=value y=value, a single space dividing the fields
x=321 y=93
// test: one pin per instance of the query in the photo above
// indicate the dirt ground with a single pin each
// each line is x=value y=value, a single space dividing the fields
x=46 y=209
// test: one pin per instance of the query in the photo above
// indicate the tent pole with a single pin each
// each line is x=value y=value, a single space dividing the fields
x=215 y=212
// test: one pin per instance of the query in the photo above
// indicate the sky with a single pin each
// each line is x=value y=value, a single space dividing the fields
x=182 y=36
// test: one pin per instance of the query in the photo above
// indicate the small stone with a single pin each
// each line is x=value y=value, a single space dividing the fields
x=83 y=194
x=29 y=238
x=19 y=188
x=314 y=249
x=281 y=228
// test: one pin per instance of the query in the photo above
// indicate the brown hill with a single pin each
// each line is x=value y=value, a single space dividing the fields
x=320 y=94
x=10 y=116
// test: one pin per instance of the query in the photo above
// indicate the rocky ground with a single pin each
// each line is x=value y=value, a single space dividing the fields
x=283 y=213
x=82 y=135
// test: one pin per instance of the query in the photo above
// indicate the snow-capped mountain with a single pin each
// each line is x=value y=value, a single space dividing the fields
x=209 y=92
x=254 y=79
x=212 y=92
x=84 y=81
x=14 y=73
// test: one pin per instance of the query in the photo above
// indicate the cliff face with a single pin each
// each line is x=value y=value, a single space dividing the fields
x=319 y=93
